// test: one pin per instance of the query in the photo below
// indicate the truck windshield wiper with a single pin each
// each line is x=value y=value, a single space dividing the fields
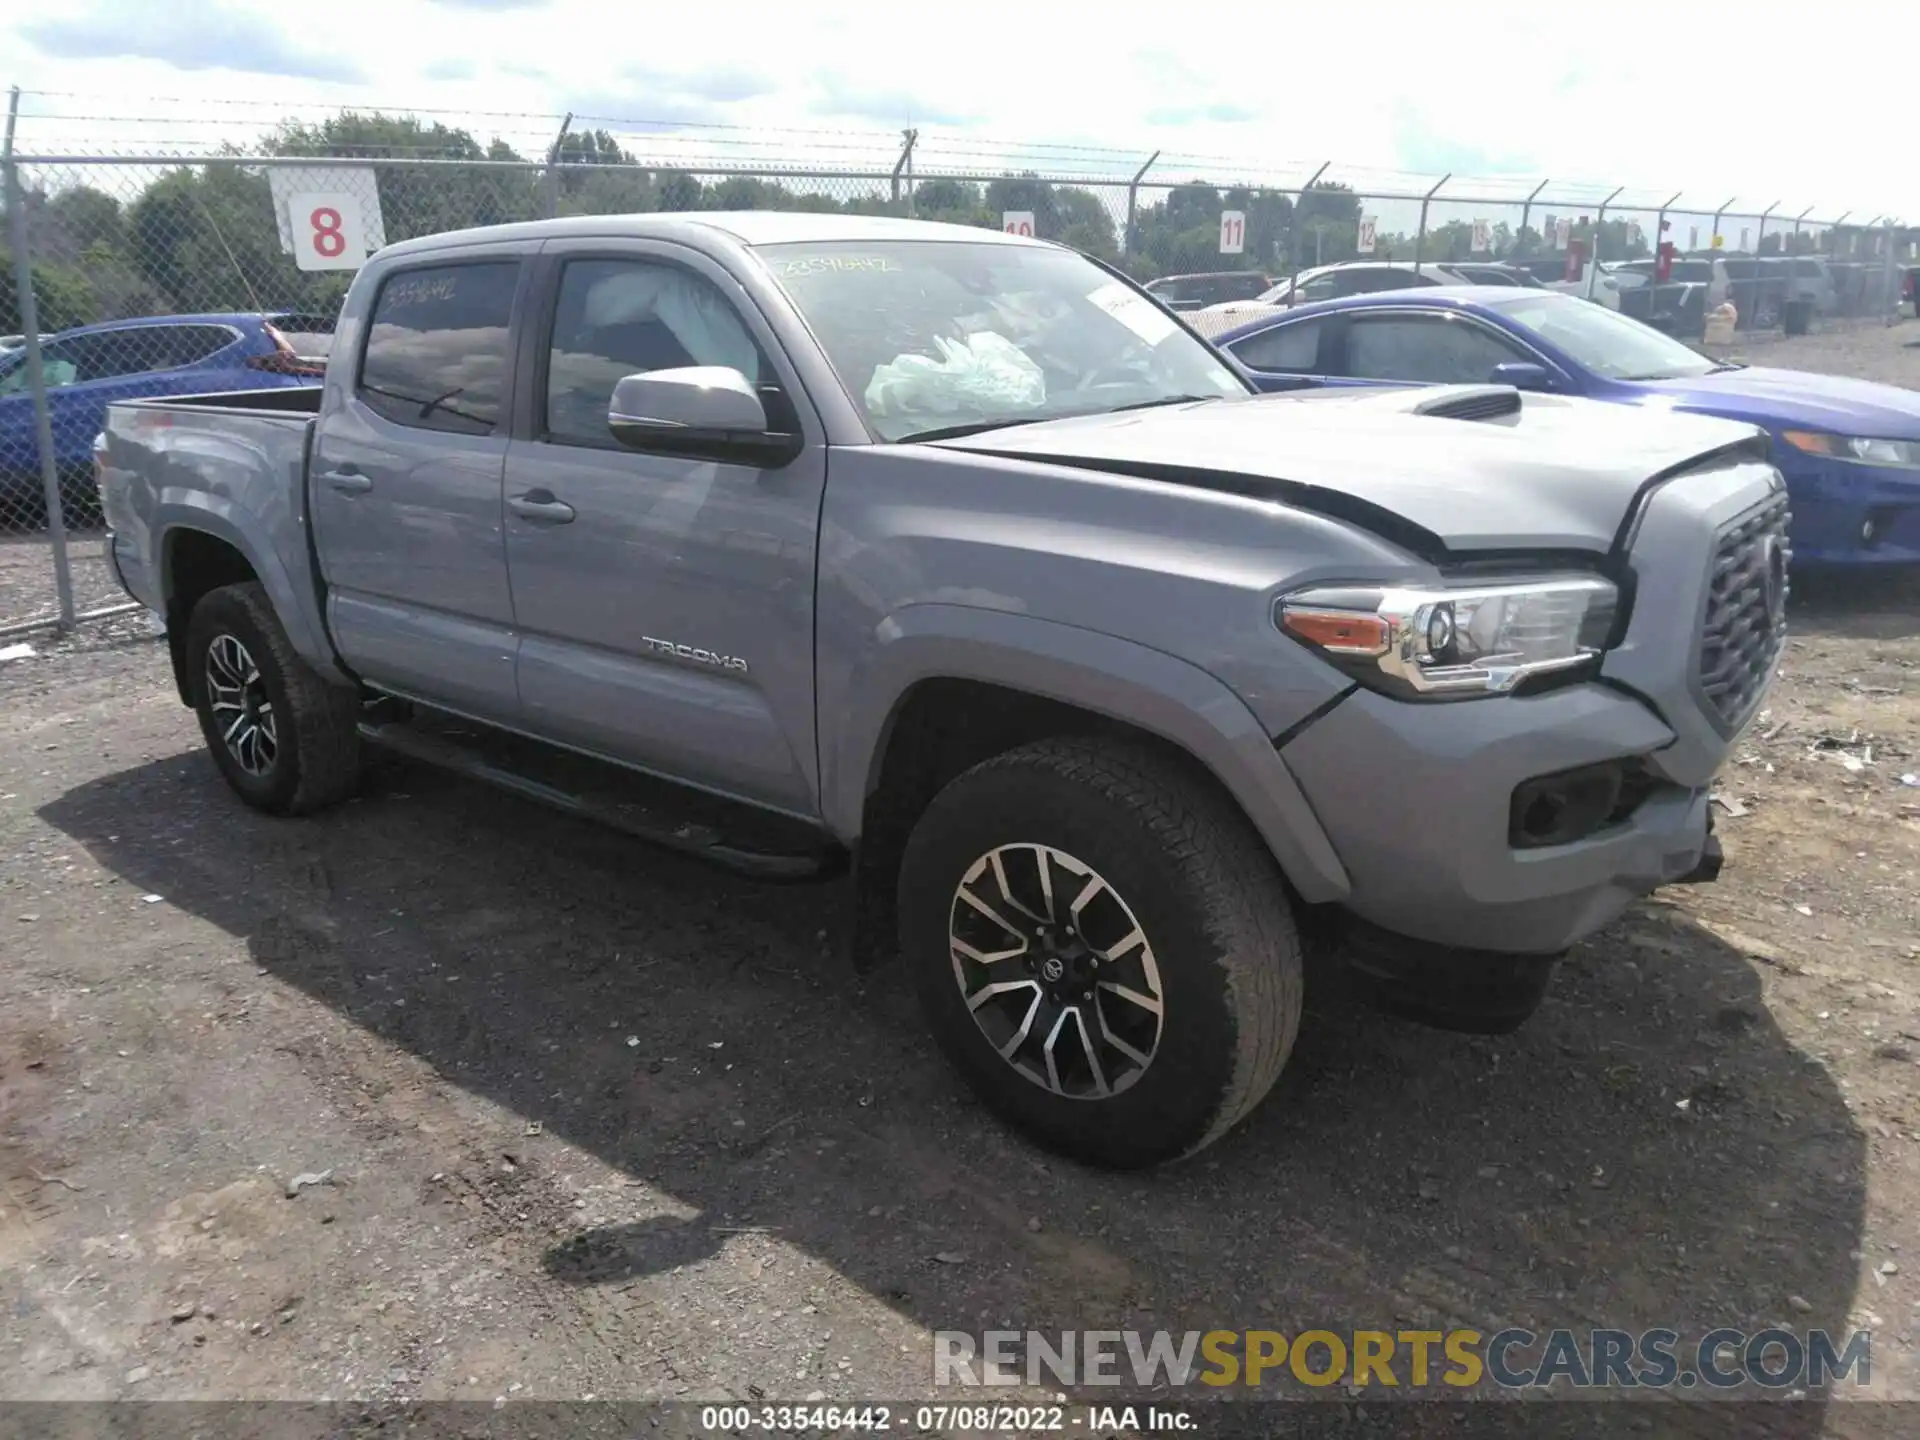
x=976 y=427
x=972 y=427
x=1163 y=400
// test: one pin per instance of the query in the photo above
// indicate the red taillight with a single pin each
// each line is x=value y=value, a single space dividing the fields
x=284 y=360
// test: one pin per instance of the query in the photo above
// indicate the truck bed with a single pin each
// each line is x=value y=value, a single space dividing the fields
x=232 y=466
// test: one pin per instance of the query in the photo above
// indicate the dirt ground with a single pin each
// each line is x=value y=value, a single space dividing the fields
x=597 y=1121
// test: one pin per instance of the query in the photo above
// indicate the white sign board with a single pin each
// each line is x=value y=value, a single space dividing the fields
x=1482 y=237
x=1562 y=233
x=328 y=233
x=1233 y=232
x=1017 y=222
x=1369 y=228
x=359 y=181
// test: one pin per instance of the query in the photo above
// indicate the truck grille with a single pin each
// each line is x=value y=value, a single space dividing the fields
x=1746 y=616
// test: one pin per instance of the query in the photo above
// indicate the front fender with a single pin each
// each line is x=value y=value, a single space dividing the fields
x=1142 y=687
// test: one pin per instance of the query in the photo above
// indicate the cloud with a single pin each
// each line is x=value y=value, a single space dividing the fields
x=491 y=4
x=1424 y=148
x=835 y=95
x=217 y=38
x=450 y=67
x=649 y=97
x=1218 y=112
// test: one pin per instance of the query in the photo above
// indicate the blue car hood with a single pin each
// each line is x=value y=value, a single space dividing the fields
x=1795 y=399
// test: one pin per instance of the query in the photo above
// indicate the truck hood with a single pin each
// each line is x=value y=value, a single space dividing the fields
x=1797 y=399
x=1540 y=473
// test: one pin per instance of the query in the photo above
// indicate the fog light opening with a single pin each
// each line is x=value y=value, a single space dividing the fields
x=1571 y=805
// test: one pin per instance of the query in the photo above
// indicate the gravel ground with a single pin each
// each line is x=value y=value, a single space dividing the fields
x=597 y=1121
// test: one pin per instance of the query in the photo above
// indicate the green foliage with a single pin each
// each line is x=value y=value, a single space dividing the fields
x=61 y=297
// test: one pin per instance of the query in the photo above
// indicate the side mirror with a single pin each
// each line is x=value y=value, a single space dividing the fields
x=1522 y=375
x=700 y=412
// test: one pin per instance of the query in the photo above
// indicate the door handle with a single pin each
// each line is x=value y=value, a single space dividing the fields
x=348 y=482
x=540 y=505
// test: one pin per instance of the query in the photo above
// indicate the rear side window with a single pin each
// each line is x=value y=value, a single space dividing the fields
x=1288 y=349
x=436 y=356
x=1424 y=349
x=1371 y=282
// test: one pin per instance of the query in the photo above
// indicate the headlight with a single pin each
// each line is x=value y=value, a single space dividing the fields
x=1455 y=641
x=1865 y=449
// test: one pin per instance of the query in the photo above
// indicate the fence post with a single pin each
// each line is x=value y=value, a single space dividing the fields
x=1420 y=240
x=1526 y=211
x=1599 y=230
x=1889 y=286
x=1131 y=239
x=36 y=374
x=900 y=165
x=1293 y=225
x=1796 y=228
x=550 y=184
x=1660 y=227
x=1716 y=224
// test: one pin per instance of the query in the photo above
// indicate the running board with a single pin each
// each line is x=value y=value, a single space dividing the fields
x=702 y=841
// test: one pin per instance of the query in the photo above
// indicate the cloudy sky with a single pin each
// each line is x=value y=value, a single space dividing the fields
x=1717 y=101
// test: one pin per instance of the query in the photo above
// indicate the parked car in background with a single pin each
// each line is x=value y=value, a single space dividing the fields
x=1325 y=282
x=89 y=367
x=1192 y=292
x=1850 y=449
x=1597 y=281
x=952 y=558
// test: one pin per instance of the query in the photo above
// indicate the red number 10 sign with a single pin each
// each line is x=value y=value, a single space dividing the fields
x=327 y=233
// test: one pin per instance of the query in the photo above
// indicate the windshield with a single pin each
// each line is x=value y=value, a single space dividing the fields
x=1605 y=341
x=939 y=337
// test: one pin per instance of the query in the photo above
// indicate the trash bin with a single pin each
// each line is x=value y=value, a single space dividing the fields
x=1796 y=316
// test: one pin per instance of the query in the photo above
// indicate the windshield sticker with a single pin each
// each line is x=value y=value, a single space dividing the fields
x=833 y=264
x=1135 y=311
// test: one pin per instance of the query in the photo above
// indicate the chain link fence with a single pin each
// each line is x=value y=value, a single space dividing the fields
x=190 y=266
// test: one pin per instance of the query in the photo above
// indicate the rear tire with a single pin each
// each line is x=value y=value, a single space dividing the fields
x=1142 y=844
x=286 y=739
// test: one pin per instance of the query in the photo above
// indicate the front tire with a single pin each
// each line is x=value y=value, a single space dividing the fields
x=1103 y=946
x=285 y=739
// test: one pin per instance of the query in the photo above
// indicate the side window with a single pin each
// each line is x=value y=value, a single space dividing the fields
x=105 y=354
x=142 y=349
x=1423 y=349
x=436 y=356
x=1288 y=349
x=57 y=361
x=1321 y=287
x=615 y=318
x=193 y=343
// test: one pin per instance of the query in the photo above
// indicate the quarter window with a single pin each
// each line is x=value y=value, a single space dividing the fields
x=1425 y=350
x=1288 y=349
x=437 y=350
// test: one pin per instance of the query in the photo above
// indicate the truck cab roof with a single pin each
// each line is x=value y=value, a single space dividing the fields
x=747 y=227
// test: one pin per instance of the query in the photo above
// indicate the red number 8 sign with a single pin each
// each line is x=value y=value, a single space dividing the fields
x=327 y=231
x=327 y=238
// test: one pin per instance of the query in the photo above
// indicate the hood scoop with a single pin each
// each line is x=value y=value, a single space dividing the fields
x=1468 y=402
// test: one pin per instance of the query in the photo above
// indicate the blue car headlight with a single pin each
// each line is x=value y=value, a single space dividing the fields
x=1860 y=448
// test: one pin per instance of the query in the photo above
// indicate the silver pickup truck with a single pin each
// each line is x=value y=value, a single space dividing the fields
x=817 y=543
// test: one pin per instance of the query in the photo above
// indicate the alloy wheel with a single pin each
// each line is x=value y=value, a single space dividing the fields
x=1056 y=971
